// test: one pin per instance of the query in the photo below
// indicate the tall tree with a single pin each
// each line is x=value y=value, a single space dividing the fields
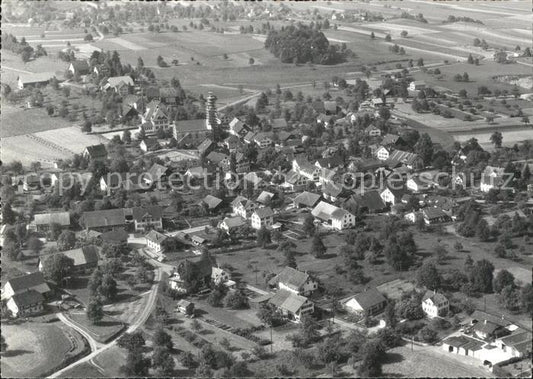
x=95 y=310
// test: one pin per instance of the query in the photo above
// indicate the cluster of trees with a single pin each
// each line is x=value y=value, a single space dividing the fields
x=452 y=19
x=462 y=78
x=303 y=44
x=233 y=299
x=481 y=43
x=22 y=48
x=397 y=49
x=419 y=17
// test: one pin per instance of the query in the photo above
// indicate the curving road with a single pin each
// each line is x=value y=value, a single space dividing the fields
x=97 y=348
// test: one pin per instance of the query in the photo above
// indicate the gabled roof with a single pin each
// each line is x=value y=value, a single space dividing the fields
x=35 y=78
x=369 y=299
x=370 y=200
x=24 y=282
x=330 y=106
x=288 y=301
x=150 y=142
x=211 y=201
x=116 y=81
x=326 y=211
x=155 y=236
x=264 y=212
x=104 y=218
x=80 y=66
x=82 y=256
x=264 y=197
x=153 y=211
x=433 y=213
x=291 y=278
x=279 y=123
x=168 y=92
x=234 y=222
x=61 y=218
x=308 y=199
x=390 y=139
x=403 y=157
x=185 y=126
x=241 y=200
x=205 y=145
x=435 y=297
x=27 y=298
x=96 y=151
x=157 y=171
x=216 y=157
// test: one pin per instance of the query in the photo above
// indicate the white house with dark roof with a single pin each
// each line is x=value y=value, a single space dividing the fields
x=291 y=306
x=147 y=218
x=26 y=304
x=104 y=220
x=34 y=281
x=32 y=80
x=382 y=153
x=262 y=217
x=370 y=302
x=120 y=84
x=243 y=207
x=95 y=153
x=230 y=224
x=298 y=282
x=333 y=216
x=155 y=118
x=435 y=304
x=154 y=241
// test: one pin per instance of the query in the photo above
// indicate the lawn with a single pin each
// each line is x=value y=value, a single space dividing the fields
x=35 y=348
x=431 y=361
x=106 y=329
x=19 y=121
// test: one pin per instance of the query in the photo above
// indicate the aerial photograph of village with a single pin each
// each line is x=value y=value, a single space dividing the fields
x=220 y=189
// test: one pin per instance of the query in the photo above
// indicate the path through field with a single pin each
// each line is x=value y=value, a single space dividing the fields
x=140 y=320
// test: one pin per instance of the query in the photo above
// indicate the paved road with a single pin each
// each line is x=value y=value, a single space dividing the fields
x=95 y=345
x=99 y=348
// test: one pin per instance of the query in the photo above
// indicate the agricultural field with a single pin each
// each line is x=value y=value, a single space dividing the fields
x=37 y=348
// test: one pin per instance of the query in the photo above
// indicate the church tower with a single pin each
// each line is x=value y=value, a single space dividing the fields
x=212 y=120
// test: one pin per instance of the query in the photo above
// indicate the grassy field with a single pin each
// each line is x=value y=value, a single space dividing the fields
x=430 y=362
x=35 y=348
x=101 y=332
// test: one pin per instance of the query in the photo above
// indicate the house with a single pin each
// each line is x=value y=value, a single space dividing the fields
x=292 y=306
x=333 y=216
x=155 y=240
x=488 y=330
x=262 y=217
x=410 y=160
x=417 y=85
x=104 y=220
x=333 y=191
x=156 y=174
x=243 y=207
x=125 y=180
x=29 y=282
x=238 y=128
x=219 y=275
x=416 y=184
x=373 y=131
x=263 y=139
x=298 y=282
x=79 y=67
x=382 y=153
x=95 y=153
x=149 y=144
x=34 y=80
x=26 y=303
x=241 y=163
x=435 y=304
x=390 y=140
x=330 y=107
x=191 y=132
x=517 y=345
x=370 y=302
x=324 y=119
x=84 y=260
x=147 y=218
x=122 y=85
x=463 y=345
x=279 y=123
x=231 y=224
x=42 y=222
x=206 y=147
x=392 y=196
x=306 y=169
x=212 y=203
x=306 y=200
x=252 y=180
x=435 y=216
x=169 y=96
x=265 y=198
x=155 y=118
x=368 y=202
x=178 y=281
x=295 y=182
x=232 y=143
x=219 y=159
x=489 y=182
x=185 y=306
